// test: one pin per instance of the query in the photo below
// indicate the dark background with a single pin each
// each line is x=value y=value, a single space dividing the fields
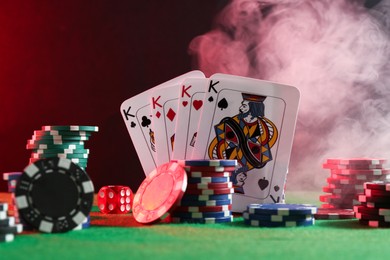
x=75 y=62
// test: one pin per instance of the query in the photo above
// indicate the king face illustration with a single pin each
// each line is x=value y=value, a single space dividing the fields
x=247 y=137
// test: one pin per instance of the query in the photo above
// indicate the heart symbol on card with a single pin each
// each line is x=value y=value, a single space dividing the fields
x=185 y=103
x=197 y=104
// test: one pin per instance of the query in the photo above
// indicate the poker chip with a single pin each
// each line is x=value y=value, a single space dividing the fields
x=3 y=206
x=191 y=197
x=59 y=138
x=281 y=209
x=45 y=146
x=374 y=223
x=378 y=185
x=210 y=191
x=351 y=166
x=207 y=170
x=375 y=217
x=202 y=220
x=373 y=193
x=344 y=181
x=70 y=128
x=372 y=211
x=376 y=204
x=208 y=163
x=209 y=175
x=361 y=172
x=330 y=214
x=291 y=223
x=194 y=215
x=60 y=133
x=53 y=142
x=54 y=195
x=7 y=237
x=8 y=221
x=159 y=192
x=329 y=189
x=276 y=218
x=204 y=186
x=192 y=180
x=358 y=161
x=13 y=229
x=203 y=208
x=194 y=203
x=375 y=199
x=61 y=151
x=59 y=155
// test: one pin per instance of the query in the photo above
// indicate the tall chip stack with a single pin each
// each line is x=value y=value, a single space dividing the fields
x=62 y=141
x=208 y=196
x=347 y=178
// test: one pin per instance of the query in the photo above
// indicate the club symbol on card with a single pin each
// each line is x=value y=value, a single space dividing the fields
x=276 y=188
x=210 y=99
x=146 y=121
x=132 y=124
x=263 y=183
x=222 y=104
x=197 y=104
x=185 y=103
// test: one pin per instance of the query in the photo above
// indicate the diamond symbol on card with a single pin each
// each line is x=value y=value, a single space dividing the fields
x=158 y=114
x=171 y=114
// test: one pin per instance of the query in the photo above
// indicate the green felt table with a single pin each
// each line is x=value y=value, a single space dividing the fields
x=120 y=237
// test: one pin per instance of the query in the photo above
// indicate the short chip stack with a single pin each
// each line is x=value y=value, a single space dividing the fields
x=279 y=215
x=208 y=196
x=346 y=181
x=8 y=228
x=65 y=141
x=374 y=210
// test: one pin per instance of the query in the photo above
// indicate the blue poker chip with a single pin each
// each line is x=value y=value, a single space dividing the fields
x=8 y=221
x=196 y=203
x=191 y=197
x=211 y=163
x=3 y=206
x=208 y=180
x=218 y=214
x=282 y=209
x=291 y=223
x=203 y=220
x=275 y=218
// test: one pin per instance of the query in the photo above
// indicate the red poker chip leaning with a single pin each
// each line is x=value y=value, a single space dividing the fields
x=159 y=192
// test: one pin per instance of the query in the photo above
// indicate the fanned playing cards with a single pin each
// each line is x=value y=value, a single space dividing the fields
x=221 y=117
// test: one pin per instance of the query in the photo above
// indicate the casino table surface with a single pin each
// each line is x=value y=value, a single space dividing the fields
x=121 y=237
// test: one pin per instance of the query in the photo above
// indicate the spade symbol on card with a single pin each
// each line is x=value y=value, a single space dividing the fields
x=263 y=183
x=276 y=188
x=146 y=121
x=132 y=124
x=211 y=99
x=222 y=104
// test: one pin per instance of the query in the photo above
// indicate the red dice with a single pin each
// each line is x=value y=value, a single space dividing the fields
x=115 y=199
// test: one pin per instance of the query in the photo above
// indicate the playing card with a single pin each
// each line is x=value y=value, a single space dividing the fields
x=190 y=105
x=137 y=115
x=252 y=121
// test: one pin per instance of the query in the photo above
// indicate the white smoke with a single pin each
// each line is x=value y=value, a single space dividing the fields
x=335 y=52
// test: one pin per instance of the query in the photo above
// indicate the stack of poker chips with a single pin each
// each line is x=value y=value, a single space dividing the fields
x=374 y=210
x=65 y=141
x=8 y=228
x=279 y=215
x=208 y=196
x=12 y=180
x=347 y=178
